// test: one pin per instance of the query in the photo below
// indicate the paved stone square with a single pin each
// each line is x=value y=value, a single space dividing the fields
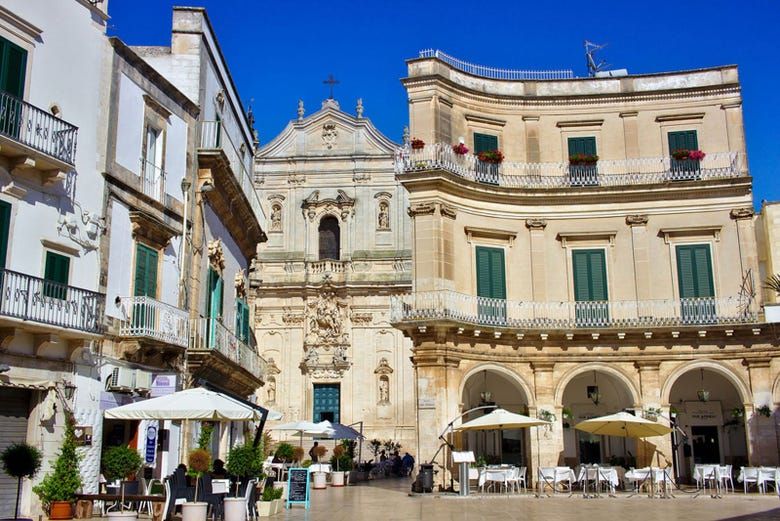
x=390 y=501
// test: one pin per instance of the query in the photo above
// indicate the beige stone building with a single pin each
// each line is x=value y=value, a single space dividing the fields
x=604 y=264
x=338 y=248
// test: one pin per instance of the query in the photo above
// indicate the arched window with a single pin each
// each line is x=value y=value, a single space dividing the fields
x=330 y=238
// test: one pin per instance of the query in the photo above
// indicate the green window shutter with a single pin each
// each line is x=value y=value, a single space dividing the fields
x=683 y=140
x=5 y=227
x=242 y=320
x=214 y=302
x=491 y=277
x=582 y=145
x=590 y=275
x=484 y=142
x=694 y=271
x=56 y=271
x=13 y=64
x=247 y=327
x=146 y=261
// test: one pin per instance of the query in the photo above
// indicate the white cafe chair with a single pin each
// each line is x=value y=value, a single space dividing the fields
x=750 y=475
x=726 y=478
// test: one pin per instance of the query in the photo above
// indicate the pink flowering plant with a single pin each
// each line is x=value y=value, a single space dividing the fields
x=491 y=156
x=681 y=154
x=461 y=149
x=417 y=144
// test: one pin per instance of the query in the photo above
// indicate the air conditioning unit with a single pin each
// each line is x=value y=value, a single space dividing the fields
x=143 y=381
x=121 y=380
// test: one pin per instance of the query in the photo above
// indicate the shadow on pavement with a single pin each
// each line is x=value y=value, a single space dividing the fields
x=769 y=514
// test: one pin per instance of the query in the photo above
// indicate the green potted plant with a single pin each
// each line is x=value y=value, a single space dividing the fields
x=318 y=478
x=277 y=494
x=57 y=491
x=20 y=460
x=121 y=463
x=244 y=462
x=265 y=507
x=199 y=461
x=341 y=461
x=772 y=310
x=285 y=452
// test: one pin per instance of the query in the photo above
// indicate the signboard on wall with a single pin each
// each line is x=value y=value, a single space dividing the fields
x=83 y=435
x=163 y=384
x=703 y=413
x=151 y=444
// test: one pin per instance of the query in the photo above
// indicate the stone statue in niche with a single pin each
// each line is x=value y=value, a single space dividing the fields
x=383 y=219
x=271 y=391
x=384 y=389
x=339 y=354
x=276 y=218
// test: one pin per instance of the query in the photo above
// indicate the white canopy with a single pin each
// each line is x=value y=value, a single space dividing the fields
x=191 y=404
x=623 y=424
x=501 y=419
x=303 y=427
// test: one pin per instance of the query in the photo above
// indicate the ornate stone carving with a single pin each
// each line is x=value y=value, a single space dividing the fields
x=313 y=205
x=425 y=208
x=383 y=367
x=383 y=216
x=292 y=319
x=329 y=135
x=325 y=321
x=362 y=318
x=276 y=217
x=296 y=179
x=383 y=391
x=447 y=211
x=359 y=108
x=270 y=391
x=636 y=220
x=216 y=255
x=240 y=282
x=535 y=223
x=301 y=110
x=741 y=213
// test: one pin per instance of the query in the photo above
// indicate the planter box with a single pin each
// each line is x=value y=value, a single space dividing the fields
x=318 y=480
x=194 y=511
x=278 y=505
x=265 y=508
x=128 y=515
x=61 y=510
x=337 y=479
x=235 y=509
x=772 y=313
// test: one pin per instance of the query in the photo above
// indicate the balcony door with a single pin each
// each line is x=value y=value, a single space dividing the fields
x=5 y=230
x=242 y=320
x=214 y=305
x=145 y=285
x=694 y=276
x=491 y=286
x=582 y=173
x=13 y=66
x=486 y=172
x=55 y=276
x=590 y=288
x=683 y=169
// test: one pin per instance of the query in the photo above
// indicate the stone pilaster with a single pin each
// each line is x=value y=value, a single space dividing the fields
x=656 y=451
x=641 y=249
x=735 y=129
x=762 y=439
x=748 y=251
x=630 y=134
x=532 y=154
x=546 y=442
x=538 y=262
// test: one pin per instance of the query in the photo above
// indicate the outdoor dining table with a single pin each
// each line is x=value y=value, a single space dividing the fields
x=639 y=476
x=494 y=475
x=320 y=467
x=703 y=472
x=598 y=475
x=554 y=475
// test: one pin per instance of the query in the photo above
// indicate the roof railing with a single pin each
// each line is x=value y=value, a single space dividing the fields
x=495 y=73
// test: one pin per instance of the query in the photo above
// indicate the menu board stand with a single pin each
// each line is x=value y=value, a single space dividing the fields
x=298 y=486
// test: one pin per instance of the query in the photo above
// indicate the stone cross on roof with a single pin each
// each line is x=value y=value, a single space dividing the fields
x=331 y=81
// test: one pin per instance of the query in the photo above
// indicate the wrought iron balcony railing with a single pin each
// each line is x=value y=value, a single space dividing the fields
x=207 y=334
x=481 y=311
x=623 y=172
x=151 y=319
x=37 y=129
x=152 y=180
x=495 y=73
x=34 y=299
x=214 y=137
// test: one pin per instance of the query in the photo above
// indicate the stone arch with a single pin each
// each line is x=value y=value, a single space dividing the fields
x=329 y=237
x=510 y=374
x=579 y=369
x=718 y=367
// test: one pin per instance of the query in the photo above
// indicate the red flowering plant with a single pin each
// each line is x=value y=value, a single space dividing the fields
x=681 y=154
x=460 y=149
x=696 y=155
x=583 y=159
x=491 y=156
x=417 y=143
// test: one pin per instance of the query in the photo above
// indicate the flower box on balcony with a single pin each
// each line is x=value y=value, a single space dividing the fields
x=683 y=154
x=491 y=156
x=460 y=149
x=417 y=144
x=583 y=159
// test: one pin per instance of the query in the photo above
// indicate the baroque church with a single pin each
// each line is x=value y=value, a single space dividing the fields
x=339 y=246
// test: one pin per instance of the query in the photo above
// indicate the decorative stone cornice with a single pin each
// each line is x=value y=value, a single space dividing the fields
x=542 y=367
x=426 y=208
x=636 y=220
x=152 y=230
x=361 y=318
x=536 y=223
x=647 y=365
x=313 y=205
x=741 y=213
x=447 y=211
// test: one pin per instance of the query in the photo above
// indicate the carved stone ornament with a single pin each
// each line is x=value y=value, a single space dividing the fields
x=321 y=364
x=741 y=213
x=216 y=255
x=240 y=282
x=383 y=216
x=272 y=368
x=536 y=223
x=362 y=318
x=276 y=218
x=325 y=321
x=636 y=220
x=447 y=211
x=291 y=319
x=329 y=135
x=383 y=367
x=421 y=209
x=220 y=98
x=313 y=205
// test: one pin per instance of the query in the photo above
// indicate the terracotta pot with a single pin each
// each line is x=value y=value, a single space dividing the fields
x=61 y=510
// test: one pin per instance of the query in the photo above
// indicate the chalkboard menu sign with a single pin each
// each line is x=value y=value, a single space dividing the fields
x=298 y=486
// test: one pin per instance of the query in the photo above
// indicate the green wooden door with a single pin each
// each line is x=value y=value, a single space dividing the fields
x=685 y=169
x=242 y=320
x=486 y=172
x=327 y=403
x=583 y=174
x=145 y=285
x=695 y=282
x=214 y=305
x=491 y=285
x=13 y=66
x=5 y=230
x=55 y=276
x=590 y=287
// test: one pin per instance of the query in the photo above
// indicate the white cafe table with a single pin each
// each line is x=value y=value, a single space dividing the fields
x=220 y=486
x=491 y=475
x=320 y=467
x=599 y=475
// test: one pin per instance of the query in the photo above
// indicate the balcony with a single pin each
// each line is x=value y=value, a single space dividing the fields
x=35 y=139
x=217 y=354
x=445 y=305
x=150 y=320
x=153 y=180
x=604 y=173
x=35 y=300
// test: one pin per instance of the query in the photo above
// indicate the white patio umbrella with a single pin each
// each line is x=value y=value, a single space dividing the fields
x=303 y=427
x=191 y=404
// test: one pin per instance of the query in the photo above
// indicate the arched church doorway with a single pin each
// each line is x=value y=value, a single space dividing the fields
x=706 y=405
x=591 y=394
x=493 y=387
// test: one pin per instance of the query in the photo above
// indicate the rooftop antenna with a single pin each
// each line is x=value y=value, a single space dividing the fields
x=590 y=51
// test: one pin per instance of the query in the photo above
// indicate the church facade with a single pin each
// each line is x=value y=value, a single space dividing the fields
x=338 y=248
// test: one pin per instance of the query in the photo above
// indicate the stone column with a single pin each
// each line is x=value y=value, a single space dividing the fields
x=630 y=134
x=532 y=154
x=641 y=250
x=735 y=130
x=547 y=442
x=762 y=438
x=658 y=449
x=748 y=251
x=538 y=262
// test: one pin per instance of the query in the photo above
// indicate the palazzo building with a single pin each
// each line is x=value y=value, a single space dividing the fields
x=338 y=248
x=608 y=261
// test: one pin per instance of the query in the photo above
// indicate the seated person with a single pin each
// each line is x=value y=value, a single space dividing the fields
x=218 y=470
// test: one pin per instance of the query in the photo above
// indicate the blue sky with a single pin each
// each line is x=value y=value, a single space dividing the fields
x=279 y=52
